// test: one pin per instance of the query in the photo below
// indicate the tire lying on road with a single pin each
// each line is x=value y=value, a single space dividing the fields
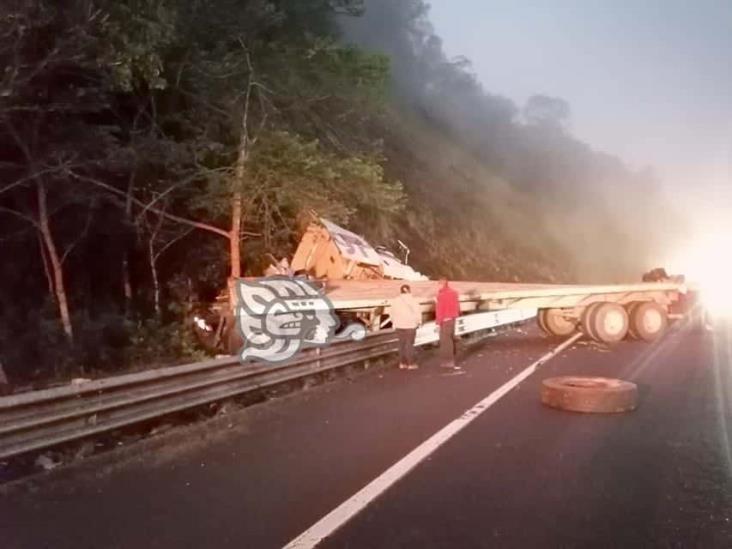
x=589 y=394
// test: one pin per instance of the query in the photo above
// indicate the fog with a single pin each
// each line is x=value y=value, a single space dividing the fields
x=613 y=222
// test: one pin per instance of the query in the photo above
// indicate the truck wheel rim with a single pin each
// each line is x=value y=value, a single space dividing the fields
x=614 y=322
x=652 y=321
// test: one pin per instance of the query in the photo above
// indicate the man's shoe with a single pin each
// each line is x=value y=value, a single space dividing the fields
x=412 y=367
x=403 y=366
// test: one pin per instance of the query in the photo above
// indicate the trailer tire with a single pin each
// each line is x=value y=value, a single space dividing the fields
x=631 y=307
x=606 y=322
x=541 y=323
x=554 y=323
x=589 y=394
x=585 y=322
x=648 y=321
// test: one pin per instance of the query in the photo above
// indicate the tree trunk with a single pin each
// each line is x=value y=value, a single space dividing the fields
x=235 y=256
x=55 y=261
x=234 y=242
x=235 y=234
x=237 y=200
x=237 y=207
x=155 y=278
x=46 y=268
x=126 y=278
x=126 y=284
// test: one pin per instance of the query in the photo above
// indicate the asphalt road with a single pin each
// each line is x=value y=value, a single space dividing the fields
x=520 y=475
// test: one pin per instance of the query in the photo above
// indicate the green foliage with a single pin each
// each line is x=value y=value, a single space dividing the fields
x=287 y=177
x=271 y=88
x=130 y=109
x=326 y=69
x=133 y=38
x=155 y=342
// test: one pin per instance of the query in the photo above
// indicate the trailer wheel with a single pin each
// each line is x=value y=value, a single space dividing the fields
x=630 y=308
x=554 y=323
x=589 y=394
x=585 y=322
x=606 y=322
x=648 y=321
x=541 y=323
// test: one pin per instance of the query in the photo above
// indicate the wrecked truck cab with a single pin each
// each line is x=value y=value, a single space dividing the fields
x=326 y=253
x=329 y=251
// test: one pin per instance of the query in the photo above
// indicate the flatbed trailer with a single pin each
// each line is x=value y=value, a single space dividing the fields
x=360 y=282
x=607 y=313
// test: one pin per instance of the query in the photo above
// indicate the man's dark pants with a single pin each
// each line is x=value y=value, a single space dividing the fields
x=447 y=342
x=406 y=345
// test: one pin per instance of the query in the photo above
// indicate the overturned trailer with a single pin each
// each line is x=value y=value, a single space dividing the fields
x=360 y=282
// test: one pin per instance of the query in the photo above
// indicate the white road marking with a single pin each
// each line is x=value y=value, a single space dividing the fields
x=356 y=503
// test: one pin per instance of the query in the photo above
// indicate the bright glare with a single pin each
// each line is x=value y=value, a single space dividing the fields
x=708 y=267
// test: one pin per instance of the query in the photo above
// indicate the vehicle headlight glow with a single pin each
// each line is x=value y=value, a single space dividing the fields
x=716 y=297
x=708 y=268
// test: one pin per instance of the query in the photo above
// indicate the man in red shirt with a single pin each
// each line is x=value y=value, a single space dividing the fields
x=447 y=311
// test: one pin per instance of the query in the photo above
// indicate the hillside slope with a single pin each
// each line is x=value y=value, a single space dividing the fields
x=498 y=191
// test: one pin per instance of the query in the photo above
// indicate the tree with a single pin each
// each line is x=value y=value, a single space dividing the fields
x=131 y=131
x=50 y=91
x=253 y=72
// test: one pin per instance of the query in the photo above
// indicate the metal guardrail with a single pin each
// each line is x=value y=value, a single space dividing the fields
x=39 y=419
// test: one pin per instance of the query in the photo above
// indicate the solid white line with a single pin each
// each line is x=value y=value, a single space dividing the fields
x=356 y=503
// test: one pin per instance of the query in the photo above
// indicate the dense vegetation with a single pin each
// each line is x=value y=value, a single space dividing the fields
x=151 y=150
